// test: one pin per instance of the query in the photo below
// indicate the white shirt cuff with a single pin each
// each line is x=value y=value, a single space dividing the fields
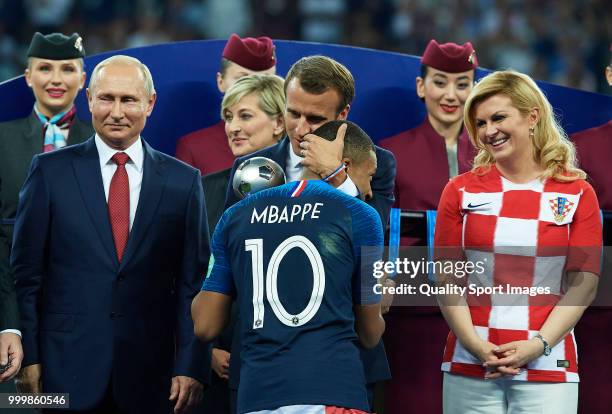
x=348 y=187
x=15 y=331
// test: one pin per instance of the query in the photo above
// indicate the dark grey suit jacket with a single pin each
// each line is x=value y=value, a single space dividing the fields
x=215 y=186
x=20 y=140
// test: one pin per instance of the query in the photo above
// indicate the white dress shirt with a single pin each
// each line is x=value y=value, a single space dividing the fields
x=133 y=168
x=294 y=168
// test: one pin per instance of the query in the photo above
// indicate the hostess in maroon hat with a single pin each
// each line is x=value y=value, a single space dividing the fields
x=252 y=53
x=450 y=57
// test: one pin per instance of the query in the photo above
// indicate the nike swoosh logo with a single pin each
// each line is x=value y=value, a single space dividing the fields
x=470 y=205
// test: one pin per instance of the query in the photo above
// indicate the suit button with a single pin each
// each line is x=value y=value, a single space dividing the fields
x=120 y=278
x=112 y=315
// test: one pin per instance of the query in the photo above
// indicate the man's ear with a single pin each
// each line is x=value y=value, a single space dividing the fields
x=344 y=113
x=89 y=98
x=347 y=162
x=151 y=103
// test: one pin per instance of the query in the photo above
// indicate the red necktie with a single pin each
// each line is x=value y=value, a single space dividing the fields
x=119 y=203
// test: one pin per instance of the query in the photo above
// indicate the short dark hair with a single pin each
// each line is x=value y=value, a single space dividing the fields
x=357 y=144
x=317 y=74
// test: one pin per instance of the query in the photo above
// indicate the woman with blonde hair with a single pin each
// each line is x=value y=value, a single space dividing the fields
x=253 y=113
x=528 y=217
x=552 y=150
x=252 y=109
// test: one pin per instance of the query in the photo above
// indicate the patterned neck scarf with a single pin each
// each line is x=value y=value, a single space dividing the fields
x=52 y=128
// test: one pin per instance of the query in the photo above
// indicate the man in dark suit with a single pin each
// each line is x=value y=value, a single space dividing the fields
x=215 y=185
x=317 y=90
x=55 y=74
x=110 y=246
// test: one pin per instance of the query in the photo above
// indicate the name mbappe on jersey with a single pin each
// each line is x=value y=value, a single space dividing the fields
x=296 y=283
x=273 y=214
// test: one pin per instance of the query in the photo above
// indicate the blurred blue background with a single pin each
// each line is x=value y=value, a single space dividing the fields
x=560 y=41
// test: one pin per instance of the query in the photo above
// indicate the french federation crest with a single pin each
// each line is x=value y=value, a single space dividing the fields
x=560 y=207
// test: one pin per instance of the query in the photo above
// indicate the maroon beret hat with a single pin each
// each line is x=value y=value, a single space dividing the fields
x=450 y=57
x=252 y=53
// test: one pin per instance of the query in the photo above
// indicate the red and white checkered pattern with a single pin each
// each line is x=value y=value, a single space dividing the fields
x=512 y=228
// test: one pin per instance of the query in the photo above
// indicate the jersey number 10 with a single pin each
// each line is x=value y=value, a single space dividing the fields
x=255 y=246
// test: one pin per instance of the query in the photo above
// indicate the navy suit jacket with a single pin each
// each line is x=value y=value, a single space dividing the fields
x=374 y=360
x=88 y=318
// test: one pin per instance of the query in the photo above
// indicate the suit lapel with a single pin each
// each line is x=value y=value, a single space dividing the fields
x=153 y=183
x=281 y=152
x=89 y=177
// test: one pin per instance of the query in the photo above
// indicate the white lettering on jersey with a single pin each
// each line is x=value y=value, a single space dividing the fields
x=274 y=215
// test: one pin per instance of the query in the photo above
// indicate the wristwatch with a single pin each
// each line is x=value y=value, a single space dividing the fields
x=547 y=349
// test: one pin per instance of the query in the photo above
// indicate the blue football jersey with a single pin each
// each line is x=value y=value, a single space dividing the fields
x=293 y=258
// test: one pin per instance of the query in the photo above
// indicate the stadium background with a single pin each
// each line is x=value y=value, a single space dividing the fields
x=561 y=41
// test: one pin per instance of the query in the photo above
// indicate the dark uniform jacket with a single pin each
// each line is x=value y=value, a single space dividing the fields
x=422 y=168
x=20 y=140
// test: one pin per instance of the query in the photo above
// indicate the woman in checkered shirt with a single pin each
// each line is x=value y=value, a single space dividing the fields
x=526 y=214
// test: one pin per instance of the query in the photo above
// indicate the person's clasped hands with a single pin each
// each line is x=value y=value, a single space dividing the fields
x=508 y=359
